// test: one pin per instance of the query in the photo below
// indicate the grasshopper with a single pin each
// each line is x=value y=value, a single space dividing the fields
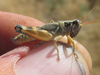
x=50 y=31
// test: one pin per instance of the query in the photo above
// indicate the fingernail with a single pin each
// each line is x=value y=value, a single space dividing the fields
x=22 y=51
x=8 y=65
x=8 y=61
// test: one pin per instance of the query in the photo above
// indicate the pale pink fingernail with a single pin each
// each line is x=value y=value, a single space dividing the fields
x=8 y=60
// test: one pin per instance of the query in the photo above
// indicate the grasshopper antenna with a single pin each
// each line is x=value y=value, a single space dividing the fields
x=85 y=19
x=87 y=15
x=88 y=23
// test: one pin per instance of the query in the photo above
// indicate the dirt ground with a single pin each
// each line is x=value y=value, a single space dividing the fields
x=46 y=10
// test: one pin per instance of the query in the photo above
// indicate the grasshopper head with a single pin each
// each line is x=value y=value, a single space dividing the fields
x=76 y=25
x=71 y=27
x=75 y=28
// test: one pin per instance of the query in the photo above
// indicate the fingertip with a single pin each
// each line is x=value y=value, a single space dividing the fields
x=82 y=50
x=43 y=60
x=7 y=31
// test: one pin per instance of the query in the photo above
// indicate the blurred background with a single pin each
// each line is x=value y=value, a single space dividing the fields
x=46 y=10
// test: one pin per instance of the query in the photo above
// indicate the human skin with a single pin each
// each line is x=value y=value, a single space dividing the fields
x=25 y=60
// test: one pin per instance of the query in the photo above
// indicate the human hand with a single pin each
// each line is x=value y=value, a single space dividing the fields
x=42 y=60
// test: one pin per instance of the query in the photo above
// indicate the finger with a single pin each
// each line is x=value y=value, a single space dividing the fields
x=7 y=31
x=43 y=61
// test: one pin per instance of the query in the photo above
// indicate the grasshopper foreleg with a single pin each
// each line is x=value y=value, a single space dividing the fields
x=76 y=56
x=70 y=40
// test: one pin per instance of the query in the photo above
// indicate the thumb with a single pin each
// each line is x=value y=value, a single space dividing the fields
x=43 y=61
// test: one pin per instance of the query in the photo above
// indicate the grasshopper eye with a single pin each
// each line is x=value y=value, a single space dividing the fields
x=67 y=24
x=76 y=22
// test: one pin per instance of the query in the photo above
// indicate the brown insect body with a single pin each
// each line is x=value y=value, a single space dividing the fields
x=47 y=32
